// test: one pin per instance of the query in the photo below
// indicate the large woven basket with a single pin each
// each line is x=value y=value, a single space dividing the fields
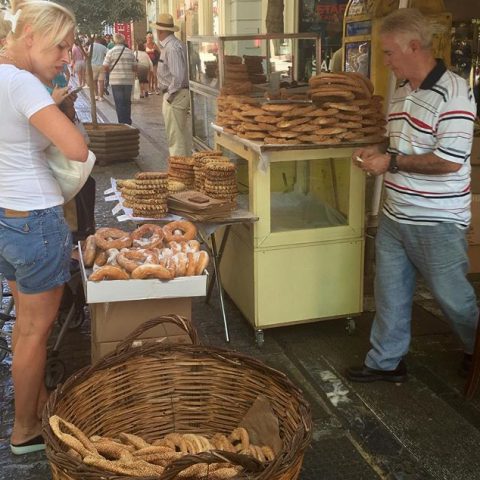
x=159 y=389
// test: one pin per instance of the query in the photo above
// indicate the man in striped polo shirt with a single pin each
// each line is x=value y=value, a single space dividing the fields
x=427 y=206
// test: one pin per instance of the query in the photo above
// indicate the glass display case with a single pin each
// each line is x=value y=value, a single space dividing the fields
x=306 y=250
x=267 y=62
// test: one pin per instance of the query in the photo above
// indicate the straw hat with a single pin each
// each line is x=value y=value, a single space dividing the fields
x=164 y=22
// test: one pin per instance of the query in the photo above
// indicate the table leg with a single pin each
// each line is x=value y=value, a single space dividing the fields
x=213 y=279
x=216 y=257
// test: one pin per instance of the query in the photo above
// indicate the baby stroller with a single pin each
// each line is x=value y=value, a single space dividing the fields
x=81 y=219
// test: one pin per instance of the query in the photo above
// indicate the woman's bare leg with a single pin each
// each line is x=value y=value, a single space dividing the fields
x=43 y=394
x=37 y=314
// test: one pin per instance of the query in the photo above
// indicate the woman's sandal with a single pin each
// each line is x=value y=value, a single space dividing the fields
x=35 y=444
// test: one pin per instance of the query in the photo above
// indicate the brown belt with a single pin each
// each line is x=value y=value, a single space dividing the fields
x=9 y=213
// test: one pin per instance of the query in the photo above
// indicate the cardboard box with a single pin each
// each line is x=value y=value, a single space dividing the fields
x=475 y=157
x=125 y=290
x=113 y=321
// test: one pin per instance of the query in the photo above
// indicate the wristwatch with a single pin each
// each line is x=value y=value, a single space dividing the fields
x=393 y=165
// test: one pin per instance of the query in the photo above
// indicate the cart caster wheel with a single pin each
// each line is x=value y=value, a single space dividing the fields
x=259 y=338
x=4 y=350
x=54 y=372
x=350 y=326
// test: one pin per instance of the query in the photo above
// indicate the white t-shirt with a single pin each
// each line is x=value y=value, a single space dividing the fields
x=26 y=181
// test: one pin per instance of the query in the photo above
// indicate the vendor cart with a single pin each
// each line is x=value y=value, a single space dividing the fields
x=303 y=260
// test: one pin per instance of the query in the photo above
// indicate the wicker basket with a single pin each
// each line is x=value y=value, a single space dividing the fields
x=157 y=389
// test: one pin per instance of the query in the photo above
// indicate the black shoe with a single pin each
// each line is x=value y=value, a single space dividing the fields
x=36 y=444
x=465 y=365
x=366 y=374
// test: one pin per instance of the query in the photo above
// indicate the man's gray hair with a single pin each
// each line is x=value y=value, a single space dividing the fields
x=409 y=23
x=118 y=39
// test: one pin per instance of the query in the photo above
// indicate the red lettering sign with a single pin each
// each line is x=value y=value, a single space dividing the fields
x=126 y=30
x=330 y=13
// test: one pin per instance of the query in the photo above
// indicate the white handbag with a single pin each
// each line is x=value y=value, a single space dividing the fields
x=70 y=175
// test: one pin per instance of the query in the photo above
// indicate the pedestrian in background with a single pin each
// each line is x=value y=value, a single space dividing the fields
x=154 y=53
x=173 y=78
x=99 y=51
x=121 y=65
x=78 y=64
x=144 y=69
x=426 y=213
x=35 y=242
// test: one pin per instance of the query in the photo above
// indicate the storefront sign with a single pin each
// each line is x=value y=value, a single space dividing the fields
x=126 y=30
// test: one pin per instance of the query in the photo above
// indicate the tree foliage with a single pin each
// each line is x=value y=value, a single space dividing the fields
x=93 y=15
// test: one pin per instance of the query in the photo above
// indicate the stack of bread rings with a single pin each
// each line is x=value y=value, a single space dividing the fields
x=198 y=163
x=220 y=180
x=146 y=194
x=181 y=170
x=150 y=251
x=134 y=456
x=343 y=110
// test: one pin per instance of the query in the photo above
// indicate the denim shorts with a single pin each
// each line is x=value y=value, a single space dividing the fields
x=35 y=250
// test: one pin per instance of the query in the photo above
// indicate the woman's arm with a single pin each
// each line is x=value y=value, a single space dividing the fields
x=52 y=123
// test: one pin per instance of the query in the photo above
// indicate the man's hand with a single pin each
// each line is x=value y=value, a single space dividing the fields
x=371 y=161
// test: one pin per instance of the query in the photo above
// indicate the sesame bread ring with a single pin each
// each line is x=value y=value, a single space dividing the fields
x=152 y=271
x=347 y=107
x=180 y=231
x=220 y=167
x=340 y=94
x=150 y=175
x=299 y=111
x=270 y=119
x=322 y=112
x=289 y=123
x=349 y=117
x=252 y=135
x=310 y=126
x=252 y=111
x=191 y=264
x=365 y=80
x=108 y=272
x=312 y=138
x=106 y=238
x=100 y=259
x=281 y=141
x=89 y=251
x=278 y=107
x=284 y=134
x=258 y=127
x=147 y=236
x=178 y=441
x=72 y=436
x=322 y=121
x=240 y=439
x=131 y=259
x=181 y=261
x=201 y=262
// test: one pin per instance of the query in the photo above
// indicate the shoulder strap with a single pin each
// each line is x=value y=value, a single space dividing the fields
x=118 y=58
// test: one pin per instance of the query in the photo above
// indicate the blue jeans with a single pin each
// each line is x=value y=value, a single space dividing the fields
x=439 y=254
x=122 y=94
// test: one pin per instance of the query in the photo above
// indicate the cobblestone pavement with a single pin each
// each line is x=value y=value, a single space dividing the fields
x=420 y=430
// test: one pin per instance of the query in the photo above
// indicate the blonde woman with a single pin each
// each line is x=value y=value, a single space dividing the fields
x=35 y=242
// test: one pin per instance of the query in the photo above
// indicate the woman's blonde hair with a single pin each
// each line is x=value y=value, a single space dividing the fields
x=411 y=24
x=47 y=19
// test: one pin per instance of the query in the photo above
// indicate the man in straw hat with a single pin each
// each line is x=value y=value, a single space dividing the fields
x=173 y=79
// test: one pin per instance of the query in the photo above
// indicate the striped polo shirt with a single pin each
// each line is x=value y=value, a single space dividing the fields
x=124 y=71
x=436 y=118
